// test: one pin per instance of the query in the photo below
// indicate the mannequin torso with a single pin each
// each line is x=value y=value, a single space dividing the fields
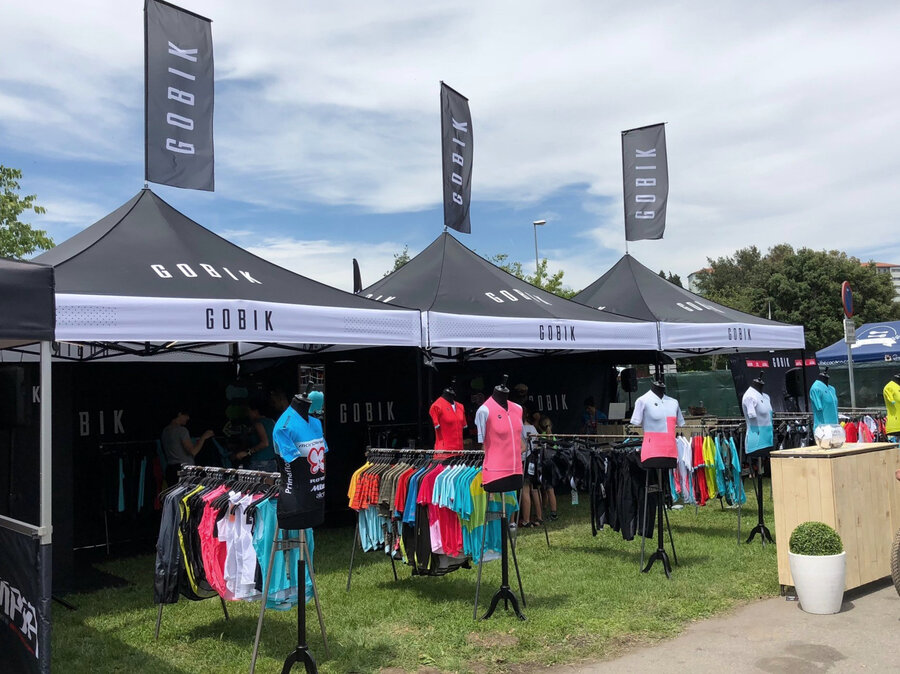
x=757 y=408
x=449 y=420
x=891 y=395
x=823 y=400
x=300 y=443
x=499 y=423
x=301 y=406
x=658 y=415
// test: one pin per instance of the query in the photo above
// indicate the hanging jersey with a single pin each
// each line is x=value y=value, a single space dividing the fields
x=892 y=403
x=449 y=421
x=300 y=443
x=758 y=412
x=500 y=429
x=658 y=417
x=824 y=402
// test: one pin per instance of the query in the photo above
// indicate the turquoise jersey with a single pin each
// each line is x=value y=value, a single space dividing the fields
x=823 y=399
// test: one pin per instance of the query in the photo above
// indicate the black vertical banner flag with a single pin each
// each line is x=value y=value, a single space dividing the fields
x=456 y=146
x=178 y=61
x=645 y=173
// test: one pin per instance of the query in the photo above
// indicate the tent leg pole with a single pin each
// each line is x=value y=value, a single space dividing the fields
x=46 y=446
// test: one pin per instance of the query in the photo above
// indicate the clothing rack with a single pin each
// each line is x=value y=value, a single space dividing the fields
x=396 y=450
x=229 y=472
x=659 y=554
x=711 y=425
x=582 y=436
x=506 y=540
x=400 y=453
x=301 y=652
x=203 y=471
x=862 y=411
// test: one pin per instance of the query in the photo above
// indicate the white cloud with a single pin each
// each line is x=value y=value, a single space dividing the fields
x=325 y=261
x=782 y=116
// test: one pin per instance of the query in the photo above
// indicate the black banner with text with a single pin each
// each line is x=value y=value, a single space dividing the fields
x=179 y=97
x=24 y=603
x=456 y=147
x=783 y=373
x=645 y=172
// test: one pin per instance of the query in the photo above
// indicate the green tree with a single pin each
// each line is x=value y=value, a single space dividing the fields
x=542 y=278
x=400 y=259
x=671 y=278
x=18 y=239
x=803 y=287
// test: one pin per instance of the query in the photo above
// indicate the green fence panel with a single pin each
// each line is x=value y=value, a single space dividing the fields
x=869 y=379
x=713 y=390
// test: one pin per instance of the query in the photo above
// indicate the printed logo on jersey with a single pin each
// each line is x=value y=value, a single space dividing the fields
x=305 y=447
x=316 y=458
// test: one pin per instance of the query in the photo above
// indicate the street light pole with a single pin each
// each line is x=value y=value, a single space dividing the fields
x=536 y=263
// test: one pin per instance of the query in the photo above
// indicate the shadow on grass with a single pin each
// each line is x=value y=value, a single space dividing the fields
x=461 y=590
x=634 y=557
x=279 y=638
x=76 y=654
x=715 y=532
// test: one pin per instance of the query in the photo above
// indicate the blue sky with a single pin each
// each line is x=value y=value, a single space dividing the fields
x=782 y=125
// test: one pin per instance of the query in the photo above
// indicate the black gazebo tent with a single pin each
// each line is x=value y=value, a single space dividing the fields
x=147 y=281
x=27 y=307
x=688 y=324
x=469 y=303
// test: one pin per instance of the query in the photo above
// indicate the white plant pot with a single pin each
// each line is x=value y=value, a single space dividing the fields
x=819 y=581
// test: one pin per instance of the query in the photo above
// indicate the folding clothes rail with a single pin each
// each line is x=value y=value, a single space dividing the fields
x=606 y=445
x=393 y=478
x=375 y=512
x=248 y=482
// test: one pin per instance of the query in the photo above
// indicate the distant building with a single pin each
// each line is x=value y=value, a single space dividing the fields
x=894 y=271
x=693 y=278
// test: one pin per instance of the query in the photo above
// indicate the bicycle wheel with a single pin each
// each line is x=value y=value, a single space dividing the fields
x=895 y=562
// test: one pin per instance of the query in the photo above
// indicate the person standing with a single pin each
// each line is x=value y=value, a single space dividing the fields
x=591 y=417
x=545 y=427
x=530 y=489
x=178 y=447
x=279 y=401
x=261 y=454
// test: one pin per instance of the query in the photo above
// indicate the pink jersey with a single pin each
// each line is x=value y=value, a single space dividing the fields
x=212 y=550
x=502 y=438
x=658 y=417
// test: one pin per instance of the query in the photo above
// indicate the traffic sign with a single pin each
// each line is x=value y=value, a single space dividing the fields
x=847 y=298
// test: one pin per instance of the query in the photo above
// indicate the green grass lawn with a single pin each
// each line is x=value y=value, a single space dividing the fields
x=586 y=600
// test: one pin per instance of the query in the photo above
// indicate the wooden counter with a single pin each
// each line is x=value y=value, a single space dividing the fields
x=852 y=489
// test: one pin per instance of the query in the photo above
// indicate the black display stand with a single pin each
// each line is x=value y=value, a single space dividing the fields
x=506 y=546
x=301 y=653
x=660 y=553
x=765 y=536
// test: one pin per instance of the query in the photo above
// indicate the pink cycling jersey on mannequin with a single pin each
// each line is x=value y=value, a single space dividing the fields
x=500 y=430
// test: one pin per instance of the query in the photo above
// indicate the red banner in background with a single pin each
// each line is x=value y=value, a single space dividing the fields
x=757 y=363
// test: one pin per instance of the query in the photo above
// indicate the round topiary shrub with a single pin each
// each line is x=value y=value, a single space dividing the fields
x=815 y=539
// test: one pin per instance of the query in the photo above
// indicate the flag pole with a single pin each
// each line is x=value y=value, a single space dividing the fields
x=624 y=205
x=146 y=101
